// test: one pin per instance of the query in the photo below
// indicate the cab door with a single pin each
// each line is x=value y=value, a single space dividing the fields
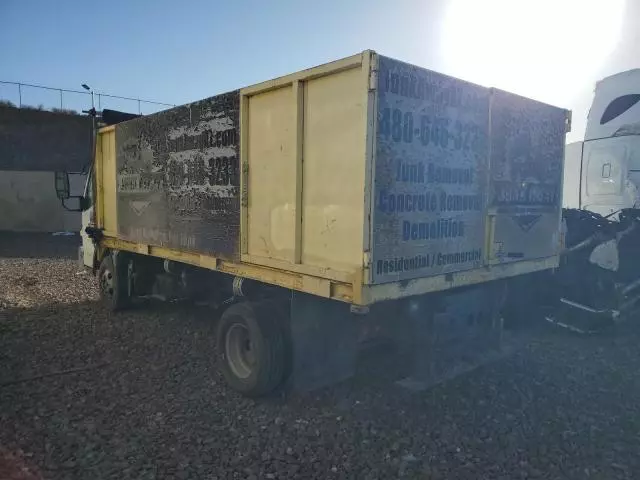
x=88 y=248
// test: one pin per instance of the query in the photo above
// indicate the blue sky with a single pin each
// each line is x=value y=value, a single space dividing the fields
x=180 y=51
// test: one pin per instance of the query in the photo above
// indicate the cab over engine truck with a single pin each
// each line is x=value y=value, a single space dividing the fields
x=598 y=282
x=366 y=191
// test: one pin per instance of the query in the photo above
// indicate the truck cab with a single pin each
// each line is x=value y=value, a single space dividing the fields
x=86 y=251
x=597 y=284
x=87 y=248
x=602 y=172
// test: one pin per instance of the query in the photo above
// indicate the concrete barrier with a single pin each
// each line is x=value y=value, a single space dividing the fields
x=28 y=202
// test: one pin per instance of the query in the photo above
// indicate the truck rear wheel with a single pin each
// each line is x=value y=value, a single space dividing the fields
x=251 y=348
x=112 y=281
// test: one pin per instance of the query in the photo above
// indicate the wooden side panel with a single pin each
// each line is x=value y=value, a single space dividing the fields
x=271 y=178
x=304 y=161
x=109 y=199
x=333 y=171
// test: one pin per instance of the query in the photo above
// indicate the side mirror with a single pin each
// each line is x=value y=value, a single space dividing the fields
x=62 y=185
x=84 y=203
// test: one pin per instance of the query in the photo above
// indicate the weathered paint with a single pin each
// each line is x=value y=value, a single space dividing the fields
x=311 y=150
x=465 y=176
x=527 y=152
x=178 y=177
x=430 y=173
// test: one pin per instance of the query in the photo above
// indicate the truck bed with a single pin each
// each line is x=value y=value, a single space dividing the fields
x=363 y=180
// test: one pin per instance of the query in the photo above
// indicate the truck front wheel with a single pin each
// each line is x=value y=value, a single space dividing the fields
x=112 y=281
x=252 y=348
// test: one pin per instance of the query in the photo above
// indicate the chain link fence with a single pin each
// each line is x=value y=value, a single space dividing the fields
x=40 y=97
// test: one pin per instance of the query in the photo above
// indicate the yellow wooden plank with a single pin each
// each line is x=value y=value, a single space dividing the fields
x=244 y=172
x=272 y=276
x=316 y=271
x=370 y=79
x=98 y=185
x=316 y=286
x=357 y=287
x=109 y=182
x=328 y=68
x=109 y=128
x=298 y=119
x=271 y=177
x=334 y=151
x=342 y=292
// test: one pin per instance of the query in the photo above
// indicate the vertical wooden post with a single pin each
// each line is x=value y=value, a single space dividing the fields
x=298 y=93
x=244 y=174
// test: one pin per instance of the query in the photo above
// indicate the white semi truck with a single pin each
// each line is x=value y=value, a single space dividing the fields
x=598 y=282
x=602 y=172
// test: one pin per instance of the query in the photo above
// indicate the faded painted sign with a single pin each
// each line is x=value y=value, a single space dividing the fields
x=527 y=151
x=431 y=164
x=178 y=177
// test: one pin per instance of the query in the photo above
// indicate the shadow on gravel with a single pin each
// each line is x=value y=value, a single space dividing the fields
x=38 y=245
x=87 y=394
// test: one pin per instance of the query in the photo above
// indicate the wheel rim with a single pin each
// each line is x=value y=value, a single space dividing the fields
x=240 y=351
x=106 y=283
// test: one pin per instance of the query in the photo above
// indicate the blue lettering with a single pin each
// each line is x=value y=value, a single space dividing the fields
x=406 y=231
x=433 y=230
x=395 y=82
x=382 y=201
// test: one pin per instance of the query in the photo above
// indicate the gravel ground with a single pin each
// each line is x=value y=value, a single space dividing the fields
x=90 y=395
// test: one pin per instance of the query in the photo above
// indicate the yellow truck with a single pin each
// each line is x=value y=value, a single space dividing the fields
x=363 y=190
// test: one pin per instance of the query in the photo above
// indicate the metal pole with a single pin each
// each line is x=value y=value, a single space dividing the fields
x=139 y=110
x=93 y=129
x=20 y=95
x=99 y=107
x=60 y=99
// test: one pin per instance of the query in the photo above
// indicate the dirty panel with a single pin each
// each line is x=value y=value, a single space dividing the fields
x=178 y=177
x=527 y=151
x=431 y=180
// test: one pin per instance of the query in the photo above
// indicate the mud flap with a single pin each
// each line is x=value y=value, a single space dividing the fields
x=323 y=342
x=462 y=335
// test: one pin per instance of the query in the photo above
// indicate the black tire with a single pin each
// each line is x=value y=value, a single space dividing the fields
x=112 y=281
x=251 y=346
